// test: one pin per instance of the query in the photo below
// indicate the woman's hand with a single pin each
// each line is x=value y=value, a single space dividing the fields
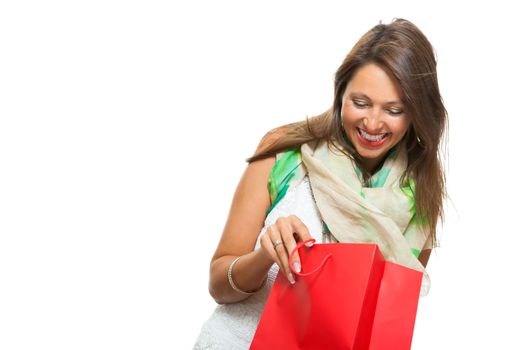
x=281 y=238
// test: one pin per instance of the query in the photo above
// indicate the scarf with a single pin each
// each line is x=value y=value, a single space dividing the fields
x=382 y=213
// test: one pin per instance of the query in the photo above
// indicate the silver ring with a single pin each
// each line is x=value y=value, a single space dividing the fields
x=276 y=243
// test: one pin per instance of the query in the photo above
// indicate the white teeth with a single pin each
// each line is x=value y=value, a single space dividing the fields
x=373 y=138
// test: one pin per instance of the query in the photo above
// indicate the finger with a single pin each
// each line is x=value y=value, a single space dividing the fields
x=288 y=244
x=302 y=232
x=299 y=228
x=267 y=244
x=291 y=244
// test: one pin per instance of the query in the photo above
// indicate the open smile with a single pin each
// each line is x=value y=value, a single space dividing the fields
x=372 y=140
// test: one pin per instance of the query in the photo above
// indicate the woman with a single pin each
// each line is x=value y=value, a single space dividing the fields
x=366 y=170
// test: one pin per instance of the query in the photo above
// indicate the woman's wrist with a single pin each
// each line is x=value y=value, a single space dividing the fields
x=263 y=258
x=232 y=281
x=249 y=272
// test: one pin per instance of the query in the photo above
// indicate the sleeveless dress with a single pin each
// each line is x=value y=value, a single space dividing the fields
x=232 y=326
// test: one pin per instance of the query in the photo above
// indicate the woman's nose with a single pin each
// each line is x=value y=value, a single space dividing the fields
x=373 y=121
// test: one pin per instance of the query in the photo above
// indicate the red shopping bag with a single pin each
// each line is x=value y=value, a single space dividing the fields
x=346 y=297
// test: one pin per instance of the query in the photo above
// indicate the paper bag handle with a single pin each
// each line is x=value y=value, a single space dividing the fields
x=299 y=246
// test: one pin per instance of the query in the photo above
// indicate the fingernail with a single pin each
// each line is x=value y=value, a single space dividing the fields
x=297 y=266
x=309 y=244
x=290 y=278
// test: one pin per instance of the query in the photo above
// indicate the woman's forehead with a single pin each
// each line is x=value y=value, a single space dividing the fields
x=373 y=82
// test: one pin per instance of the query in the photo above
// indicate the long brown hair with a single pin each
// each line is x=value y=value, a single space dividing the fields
x=402 y=50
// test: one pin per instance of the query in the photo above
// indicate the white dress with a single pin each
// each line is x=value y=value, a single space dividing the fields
x=232 y=326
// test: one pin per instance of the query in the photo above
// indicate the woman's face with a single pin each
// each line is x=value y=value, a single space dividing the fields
x=373 y=115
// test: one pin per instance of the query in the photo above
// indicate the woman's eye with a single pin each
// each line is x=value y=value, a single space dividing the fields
x=359 y=104
x=395 y=112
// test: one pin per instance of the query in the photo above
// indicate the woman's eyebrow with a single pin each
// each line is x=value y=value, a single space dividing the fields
x=365 y=96
x=359 y=95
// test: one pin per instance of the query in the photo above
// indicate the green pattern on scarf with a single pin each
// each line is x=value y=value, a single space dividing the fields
x=416 y=252
x=282 y=175
x=378 y=179
x=286 y=174
x=410 y=191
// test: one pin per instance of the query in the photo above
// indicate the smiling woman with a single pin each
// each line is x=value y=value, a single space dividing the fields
x=376 y=147
x=372 y=114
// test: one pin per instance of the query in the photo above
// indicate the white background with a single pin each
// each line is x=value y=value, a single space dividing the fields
x=124 y=126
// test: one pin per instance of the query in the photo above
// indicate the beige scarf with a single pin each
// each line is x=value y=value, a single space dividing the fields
x=358 y=214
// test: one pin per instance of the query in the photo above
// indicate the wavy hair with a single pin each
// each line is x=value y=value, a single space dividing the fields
x=402 y=50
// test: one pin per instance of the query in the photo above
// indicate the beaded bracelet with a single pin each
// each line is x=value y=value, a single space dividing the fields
x=233 y=285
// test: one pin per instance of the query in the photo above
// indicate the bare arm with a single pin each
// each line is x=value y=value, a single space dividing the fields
x=245 y=220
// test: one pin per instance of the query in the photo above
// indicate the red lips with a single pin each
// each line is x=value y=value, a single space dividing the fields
x=371 y=144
